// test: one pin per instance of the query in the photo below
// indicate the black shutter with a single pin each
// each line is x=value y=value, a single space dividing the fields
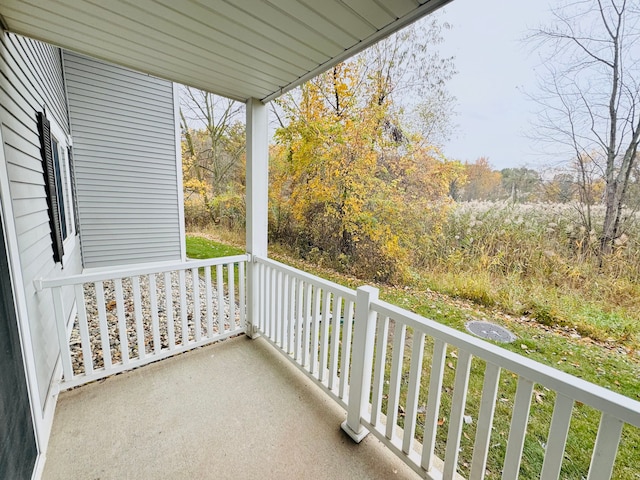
x=74 y=197
x=44 y=129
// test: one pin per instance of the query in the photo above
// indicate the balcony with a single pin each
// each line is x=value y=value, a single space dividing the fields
x=271 y=406
x=236 y=409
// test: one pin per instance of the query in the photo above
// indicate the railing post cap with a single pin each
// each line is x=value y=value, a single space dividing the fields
x=371 y=292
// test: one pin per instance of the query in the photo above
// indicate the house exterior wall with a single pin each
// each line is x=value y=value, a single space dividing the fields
x=31 y=80
x=18 y=447
x=126 y=166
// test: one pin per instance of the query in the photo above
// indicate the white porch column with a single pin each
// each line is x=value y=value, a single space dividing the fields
x=257 y=199
x=364 y=333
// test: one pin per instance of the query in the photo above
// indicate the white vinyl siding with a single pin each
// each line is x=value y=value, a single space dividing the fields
x=124 y=153
x=31 y=79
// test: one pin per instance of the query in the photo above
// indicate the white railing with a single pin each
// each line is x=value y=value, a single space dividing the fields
x=310 y=320
x=128 y=318
x=375 y=363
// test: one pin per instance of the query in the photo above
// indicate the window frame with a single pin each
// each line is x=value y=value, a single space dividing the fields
x=64 y=142
x=61 y=142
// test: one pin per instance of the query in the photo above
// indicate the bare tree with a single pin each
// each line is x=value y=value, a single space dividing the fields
x=213 y=146
x=590 y=94
x=409 y=69
x=405 y=70
x=215 y=119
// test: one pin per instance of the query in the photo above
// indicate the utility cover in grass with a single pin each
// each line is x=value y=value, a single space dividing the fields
x=490 y=331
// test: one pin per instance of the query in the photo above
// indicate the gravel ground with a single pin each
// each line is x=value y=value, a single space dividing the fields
x=130 y=320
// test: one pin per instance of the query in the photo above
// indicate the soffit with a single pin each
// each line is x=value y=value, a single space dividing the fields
x=238 y=49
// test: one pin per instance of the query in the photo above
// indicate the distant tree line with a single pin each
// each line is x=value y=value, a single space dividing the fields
x=570 y=183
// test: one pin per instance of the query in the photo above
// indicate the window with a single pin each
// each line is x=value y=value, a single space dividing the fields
x=58 y=186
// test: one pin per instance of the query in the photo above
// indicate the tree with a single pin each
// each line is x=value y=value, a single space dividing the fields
x=330 y=140
x=561 y=189
x=483 y=182
x=213 y=151
x=353 y=179
x=591 y=95
x=407 y=71
x=520 y=183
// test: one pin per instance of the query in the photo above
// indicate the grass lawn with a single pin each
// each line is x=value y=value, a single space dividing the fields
x=200 y=248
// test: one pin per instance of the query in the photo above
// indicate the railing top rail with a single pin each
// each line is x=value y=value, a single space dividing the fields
x=620 y=406
x=131 y=272
x=344 y=292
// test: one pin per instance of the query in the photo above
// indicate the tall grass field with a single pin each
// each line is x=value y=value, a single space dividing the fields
x=538 y=260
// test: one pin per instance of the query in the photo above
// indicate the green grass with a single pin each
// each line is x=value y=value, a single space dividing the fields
x=201 y=248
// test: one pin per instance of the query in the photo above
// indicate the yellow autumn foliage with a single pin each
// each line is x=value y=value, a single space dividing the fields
x=342 y=189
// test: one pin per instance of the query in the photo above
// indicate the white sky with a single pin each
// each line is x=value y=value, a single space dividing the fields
x=495 y=69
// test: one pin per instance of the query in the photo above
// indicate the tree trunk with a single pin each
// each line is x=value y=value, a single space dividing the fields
x=611 y=219
x=615 y=195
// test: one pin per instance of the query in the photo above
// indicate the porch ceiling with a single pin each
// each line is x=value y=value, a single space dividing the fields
x=252 y=48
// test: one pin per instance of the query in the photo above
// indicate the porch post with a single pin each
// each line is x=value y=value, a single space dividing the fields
x=257 y=178
x=361 y=362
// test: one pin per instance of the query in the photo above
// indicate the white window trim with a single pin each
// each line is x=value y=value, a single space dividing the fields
x=64 y=141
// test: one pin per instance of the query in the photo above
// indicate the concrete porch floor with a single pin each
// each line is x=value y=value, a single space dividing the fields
x=233 y=410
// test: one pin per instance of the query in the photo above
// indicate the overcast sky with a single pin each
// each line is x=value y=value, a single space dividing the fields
x=495 y=68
